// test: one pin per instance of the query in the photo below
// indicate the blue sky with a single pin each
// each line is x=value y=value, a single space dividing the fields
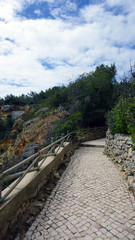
x=44 y=43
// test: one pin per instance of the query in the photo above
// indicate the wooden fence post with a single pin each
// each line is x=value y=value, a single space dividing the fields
x=1 y=179
x=35 y=151
x=53 y=148
x=62 y=135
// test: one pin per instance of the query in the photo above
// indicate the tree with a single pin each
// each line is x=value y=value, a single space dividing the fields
x=101 y=86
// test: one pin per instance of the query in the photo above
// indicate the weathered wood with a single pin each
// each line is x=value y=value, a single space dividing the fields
x=33 y=166
x=1 y=180
x=36 y=151
x=16 y=175
x=18 y=180
x=62 y=142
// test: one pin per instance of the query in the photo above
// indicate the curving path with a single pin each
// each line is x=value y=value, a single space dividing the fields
x=91 y=201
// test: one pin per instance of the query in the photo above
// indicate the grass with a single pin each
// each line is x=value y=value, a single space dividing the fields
x=122 y=169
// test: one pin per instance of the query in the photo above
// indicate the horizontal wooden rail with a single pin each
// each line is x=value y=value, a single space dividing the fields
x=35 y=161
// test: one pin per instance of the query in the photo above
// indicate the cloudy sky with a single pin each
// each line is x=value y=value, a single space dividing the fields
x=44 y=43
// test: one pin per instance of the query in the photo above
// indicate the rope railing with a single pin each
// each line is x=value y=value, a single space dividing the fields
x=35 y=163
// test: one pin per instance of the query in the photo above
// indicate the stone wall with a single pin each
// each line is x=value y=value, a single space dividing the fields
x=119 y=148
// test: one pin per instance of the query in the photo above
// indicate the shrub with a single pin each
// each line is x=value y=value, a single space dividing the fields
x=69 y=125
x=121 y=119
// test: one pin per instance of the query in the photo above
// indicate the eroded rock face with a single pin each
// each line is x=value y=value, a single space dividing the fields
x=29 y=150
x=17 y=114
x=25 y=136
x=7 y=108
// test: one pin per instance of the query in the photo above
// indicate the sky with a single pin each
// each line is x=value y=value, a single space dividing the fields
x=46 y=43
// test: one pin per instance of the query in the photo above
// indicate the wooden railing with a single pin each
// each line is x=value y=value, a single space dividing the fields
x=33 y=162
x=93 y=130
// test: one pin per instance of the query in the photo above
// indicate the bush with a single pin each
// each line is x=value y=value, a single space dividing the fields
x=5 y=127
x=69 y=125
x=121 y=119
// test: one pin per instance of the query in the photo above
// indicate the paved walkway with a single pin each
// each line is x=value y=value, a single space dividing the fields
x=91 y=201
x=95 y=143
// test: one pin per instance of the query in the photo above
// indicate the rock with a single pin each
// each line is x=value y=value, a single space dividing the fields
x=56 y=175
x=29 y=123
x=43 y=110
x=133 y=187
x=62 y=109
x=129 y=142
x=130 y=153
x=6 y=108
x=119 y=160
x=38 y=204
x=17 y=114
x=30 y=220
x=130 y=182
x=119 y=147
x=18 y=237
x=29 y=150
x=133 y=159
x=129 y=171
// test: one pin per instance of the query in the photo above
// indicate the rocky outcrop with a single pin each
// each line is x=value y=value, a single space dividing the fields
x=25 y=135
x=17 y=114
x=62 y=110
x=29 y=150
x=119 y=148
x=7 y=108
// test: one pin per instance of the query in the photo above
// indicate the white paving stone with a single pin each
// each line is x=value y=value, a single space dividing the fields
x=91 y=201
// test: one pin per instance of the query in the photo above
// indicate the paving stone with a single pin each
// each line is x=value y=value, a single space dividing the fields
x=90 y=201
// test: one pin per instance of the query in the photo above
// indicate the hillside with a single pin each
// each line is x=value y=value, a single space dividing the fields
x=27 y=133
x=31 y=120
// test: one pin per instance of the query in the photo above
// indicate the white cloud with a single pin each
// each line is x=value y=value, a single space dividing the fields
x=38 y=12
x=70 y=47
x=62 y=8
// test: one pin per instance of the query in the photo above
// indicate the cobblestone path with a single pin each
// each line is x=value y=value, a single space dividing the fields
x=91 y=201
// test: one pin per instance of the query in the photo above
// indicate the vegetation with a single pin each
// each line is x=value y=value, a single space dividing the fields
x=5 y=127
x=87 y=99
x=122 y=169
x=121 y=119
x=69 y=125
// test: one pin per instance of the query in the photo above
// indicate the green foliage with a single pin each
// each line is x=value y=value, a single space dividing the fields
x=91 y=94
x=116 y=118
x=5 y=127
x=107 y=154
x=33 y=114
x=121 y=119
x=69 y=125
x=122 y=169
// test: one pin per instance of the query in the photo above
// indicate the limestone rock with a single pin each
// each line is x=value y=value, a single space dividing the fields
x=29 y=150
x=62 y=109
x=43 y=110
x=6 y=108
x=130 y=153
x=17 y=114
x=119 y=147
x=56 y=175
x=130 y=181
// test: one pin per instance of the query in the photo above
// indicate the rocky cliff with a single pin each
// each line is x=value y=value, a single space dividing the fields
x=32 y=127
